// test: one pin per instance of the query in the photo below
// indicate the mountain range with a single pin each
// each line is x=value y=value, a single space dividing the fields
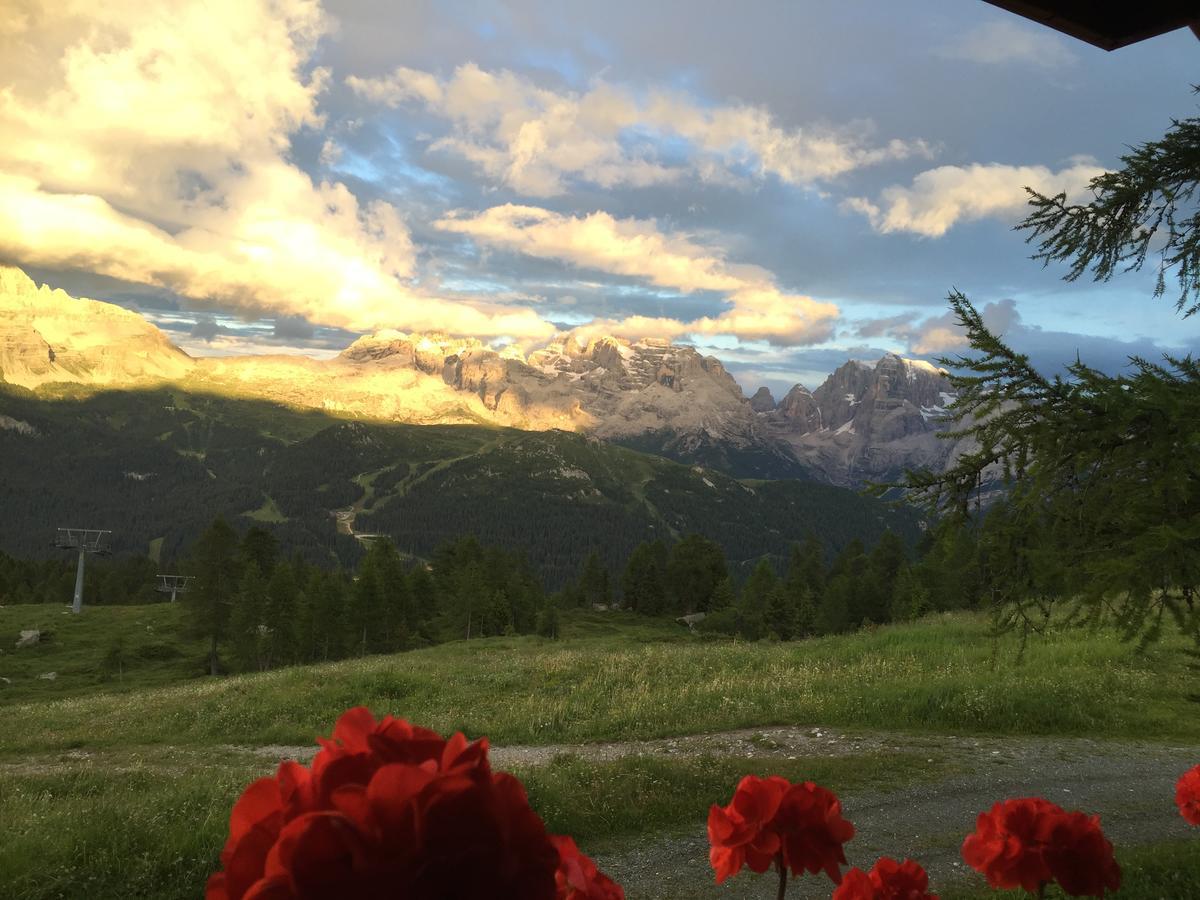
x=868 y=421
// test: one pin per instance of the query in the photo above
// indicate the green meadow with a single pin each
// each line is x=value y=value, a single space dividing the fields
x=119 y=783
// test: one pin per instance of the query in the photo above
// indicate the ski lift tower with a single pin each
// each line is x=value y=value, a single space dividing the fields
x=173 y=585
x=85 y=540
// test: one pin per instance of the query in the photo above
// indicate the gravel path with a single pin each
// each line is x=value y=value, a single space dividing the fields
x=1131 y=786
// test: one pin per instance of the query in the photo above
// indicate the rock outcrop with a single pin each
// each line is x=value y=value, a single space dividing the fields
x=869 y=421
x=49 y=336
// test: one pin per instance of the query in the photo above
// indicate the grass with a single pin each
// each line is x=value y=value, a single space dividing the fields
x=115 y=787
x=942 y=674
x=152 y=651
x=268 y=512
x=126 y=825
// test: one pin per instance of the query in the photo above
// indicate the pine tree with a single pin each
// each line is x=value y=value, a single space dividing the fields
x=328 y=605
x=643 y=583
x=593 y=581
x=782 y=614
x=280 y=617
x=548 y=621
x=755 y=600
x=1098 y=471
x=260 y=547
x=214 y=564
x=247 y=619
x=695 y=567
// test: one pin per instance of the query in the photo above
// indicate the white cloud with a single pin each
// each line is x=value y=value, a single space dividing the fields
x=536 y=140
x=939 y=198
x=637 y=248
x=941 y=333
x=1006 y=41
x=151 y=143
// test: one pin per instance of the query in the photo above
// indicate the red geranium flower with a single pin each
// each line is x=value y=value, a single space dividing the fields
x=1007 y=845
x=1187 y=795
x=812 y=830
x=1080 y=856
x=887 y=880
x=771 y=821
x=386 y=806
x=741 y=833
x=1030 y=842
x=578 y=878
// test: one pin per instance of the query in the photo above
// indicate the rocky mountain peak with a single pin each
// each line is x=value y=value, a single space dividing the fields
x=869 y=421
x=48 y=336
x=762 y=401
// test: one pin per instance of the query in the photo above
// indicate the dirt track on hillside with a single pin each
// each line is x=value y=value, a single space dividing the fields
x=1130 y=784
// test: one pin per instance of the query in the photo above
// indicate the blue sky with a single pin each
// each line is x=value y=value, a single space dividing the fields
x=786 y=184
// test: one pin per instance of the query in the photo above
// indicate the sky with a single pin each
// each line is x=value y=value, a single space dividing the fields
x=784 y=185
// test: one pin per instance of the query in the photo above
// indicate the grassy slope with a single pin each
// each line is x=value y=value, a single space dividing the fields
x=111 y=794
x=153 y=650
x=940 y=674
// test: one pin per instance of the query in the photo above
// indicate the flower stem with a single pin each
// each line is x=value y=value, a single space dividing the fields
x=782 y=877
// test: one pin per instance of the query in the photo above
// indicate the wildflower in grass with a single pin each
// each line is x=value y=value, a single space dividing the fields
x=387 y=805
x=1187 y=795
x=887 y=880
x=1031 y=842
x=796 y=827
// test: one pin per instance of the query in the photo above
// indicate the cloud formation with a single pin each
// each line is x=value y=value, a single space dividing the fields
x=151 y=144
x=1005 y=41
x=637 y=248
x=537 y=140
x=939 y=198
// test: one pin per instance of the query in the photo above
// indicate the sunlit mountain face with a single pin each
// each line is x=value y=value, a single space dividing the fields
x=784 y=188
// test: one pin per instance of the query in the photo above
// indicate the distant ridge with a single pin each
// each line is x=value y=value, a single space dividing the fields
x=867 y=422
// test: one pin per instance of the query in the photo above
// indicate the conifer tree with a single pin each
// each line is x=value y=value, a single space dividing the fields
x=280 y=617
x=782 y=613
x=328 y=605
x=695 y=567
x=214 y=564
x=1098 y=471
x=247 y=619
x=755 y=600
x=643 y=583
x=724 y=596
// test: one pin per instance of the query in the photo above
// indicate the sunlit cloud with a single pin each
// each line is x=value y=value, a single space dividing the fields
x=940 y=198
x=758 y=308
x=151 y=144
x=538 y=140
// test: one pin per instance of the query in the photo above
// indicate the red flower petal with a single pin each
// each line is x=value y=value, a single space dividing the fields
x=353 y=728
x=856 y=885
x=1187 y=795
x=813 y=831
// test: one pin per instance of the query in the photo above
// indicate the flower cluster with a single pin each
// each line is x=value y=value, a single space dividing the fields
x=385 y=804
x=389 y=809
x=887 y=880
x=798 y=826
x=1031 y=842
x=1187 y=795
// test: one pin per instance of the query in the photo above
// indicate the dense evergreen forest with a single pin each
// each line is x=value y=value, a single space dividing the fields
x=157 y=466
x=258 y=609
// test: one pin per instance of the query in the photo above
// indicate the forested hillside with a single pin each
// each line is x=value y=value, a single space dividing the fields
x=157 y=466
